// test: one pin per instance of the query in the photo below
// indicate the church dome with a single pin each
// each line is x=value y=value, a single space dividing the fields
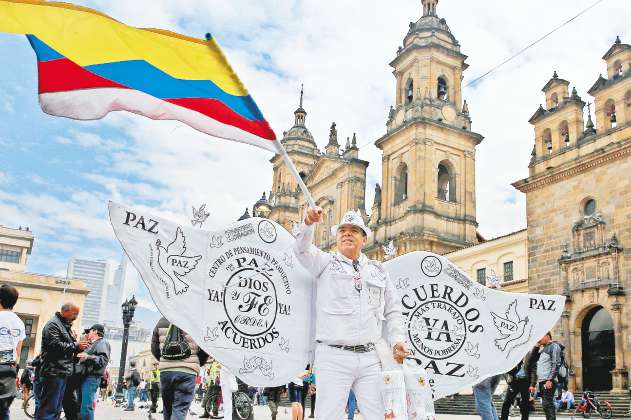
x=430 y=29
x=299 y=132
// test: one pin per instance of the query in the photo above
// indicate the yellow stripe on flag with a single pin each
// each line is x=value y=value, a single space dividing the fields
x=88 y=37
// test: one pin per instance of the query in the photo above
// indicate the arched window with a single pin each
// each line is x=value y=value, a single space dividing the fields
x=617 y=69
x=442 y=92
x=564 y=133
x=409 y=92
x=303 y=175
x=610 y=112
x=547 y=139
x=627 y=99
x=446 y=183
x=401 y=183
x=589 y=208
x=554 y=99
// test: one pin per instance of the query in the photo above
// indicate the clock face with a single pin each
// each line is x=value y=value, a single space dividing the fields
x=449 y=113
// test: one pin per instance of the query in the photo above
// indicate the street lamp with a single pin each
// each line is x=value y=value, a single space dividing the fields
x=129 y=307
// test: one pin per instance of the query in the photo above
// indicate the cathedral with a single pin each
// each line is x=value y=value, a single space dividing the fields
x=427 y=198
x=577 y=230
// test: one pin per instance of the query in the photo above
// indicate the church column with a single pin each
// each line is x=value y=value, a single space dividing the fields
x=619 y=371
x=468 y=186
x=386 y=188
x=568 y=337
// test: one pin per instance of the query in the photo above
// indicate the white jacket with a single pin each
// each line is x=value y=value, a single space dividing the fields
x=345 y=315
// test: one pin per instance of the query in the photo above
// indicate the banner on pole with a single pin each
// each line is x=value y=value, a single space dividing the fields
x=461 y=331
x=239 y=292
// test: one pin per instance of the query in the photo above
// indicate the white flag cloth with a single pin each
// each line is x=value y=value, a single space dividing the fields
x=239 y=292
x=461 y=331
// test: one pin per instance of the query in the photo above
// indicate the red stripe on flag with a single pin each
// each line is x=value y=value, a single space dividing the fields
x=219 y=111
x=64 y=75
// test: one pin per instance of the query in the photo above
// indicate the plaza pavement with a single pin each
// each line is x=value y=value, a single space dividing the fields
x=106 y=411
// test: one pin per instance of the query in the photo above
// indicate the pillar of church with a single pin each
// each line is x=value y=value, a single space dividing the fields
x=619 y=375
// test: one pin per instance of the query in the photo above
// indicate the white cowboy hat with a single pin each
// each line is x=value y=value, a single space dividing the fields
x=354 y=218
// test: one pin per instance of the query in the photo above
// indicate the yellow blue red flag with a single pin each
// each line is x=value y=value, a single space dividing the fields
x=90 y=64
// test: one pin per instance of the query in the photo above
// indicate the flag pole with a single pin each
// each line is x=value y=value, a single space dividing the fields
x=294 y=172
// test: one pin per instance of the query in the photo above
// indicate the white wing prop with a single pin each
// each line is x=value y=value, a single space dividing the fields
x=460 y=331
x=236 y=291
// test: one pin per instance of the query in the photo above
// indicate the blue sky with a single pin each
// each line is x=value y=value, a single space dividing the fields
x=56 y=175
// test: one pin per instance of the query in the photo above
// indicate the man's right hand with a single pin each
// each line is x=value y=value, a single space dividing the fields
x=83 y=344
x=313 y=215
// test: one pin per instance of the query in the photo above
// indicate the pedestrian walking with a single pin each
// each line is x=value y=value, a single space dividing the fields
x=547 y=371
x=354 y=296
x=212 y=395
x=311 y=393
x=94 y=362
x=154 y=387
x=58 y=351
x=483 y=393
x=133 y=380
x=199 y=388
x=518 y=380
x=105 y=384
x=142 y=389
x=11 y=339
x=273 y=395
x=180 y=360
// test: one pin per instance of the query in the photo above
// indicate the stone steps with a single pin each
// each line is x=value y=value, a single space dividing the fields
x=465 y=404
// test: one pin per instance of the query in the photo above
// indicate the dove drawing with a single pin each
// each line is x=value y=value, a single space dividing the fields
x=511 y=326
x=174 y=264
x=199 y=216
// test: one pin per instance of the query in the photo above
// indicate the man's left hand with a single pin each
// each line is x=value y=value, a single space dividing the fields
x=400 y=352
x=82 y=356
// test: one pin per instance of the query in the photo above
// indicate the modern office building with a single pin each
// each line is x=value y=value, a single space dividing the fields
x=96 y=275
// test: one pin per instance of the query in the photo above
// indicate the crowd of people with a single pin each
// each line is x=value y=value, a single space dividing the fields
x=66 y=374
x=542 y=375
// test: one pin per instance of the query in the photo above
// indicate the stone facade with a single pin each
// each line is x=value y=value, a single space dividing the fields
x=336 y=179
x=502 y=260
x=426 y=199
x=578 y=199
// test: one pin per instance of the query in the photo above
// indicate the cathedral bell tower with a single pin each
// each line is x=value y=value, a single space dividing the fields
x=285 y=197
x=427 y=199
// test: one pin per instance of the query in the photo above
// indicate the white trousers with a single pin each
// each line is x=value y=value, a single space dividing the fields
x=226 y=395
x=337 y=372
x=228 y=386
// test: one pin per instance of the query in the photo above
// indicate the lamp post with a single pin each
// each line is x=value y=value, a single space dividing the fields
x=129 y=307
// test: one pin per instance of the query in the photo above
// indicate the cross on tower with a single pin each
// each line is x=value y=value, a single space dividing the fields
x=301 y=93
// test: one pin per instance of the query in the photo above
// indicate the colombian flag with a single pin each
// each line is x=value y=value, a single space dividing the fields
x=90 y=64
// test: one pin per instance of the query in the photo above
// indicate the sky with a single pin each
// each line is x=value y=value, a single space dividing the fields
x=57 y=175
